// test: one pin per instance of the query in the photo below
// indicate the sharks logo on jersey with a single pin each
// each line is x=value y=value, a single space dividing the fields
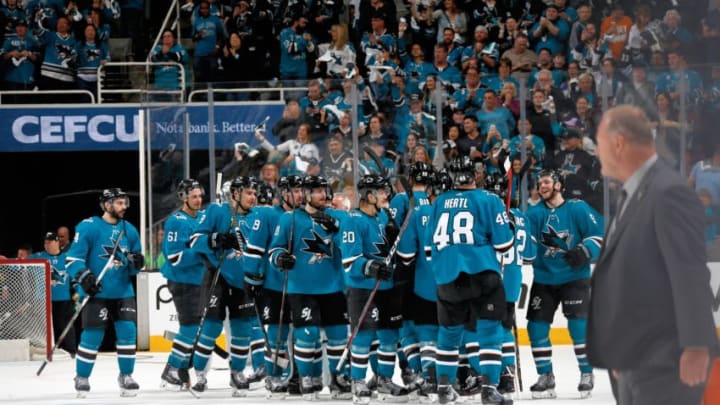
x=108 y=249
x=555 y=241
x=318 y=247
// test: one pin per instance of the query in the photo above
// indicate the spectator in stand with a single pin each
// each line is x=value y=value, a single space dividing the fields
x=241 y=20
x=469 y=98
x=370 y=8
x=614 y=30
x=97 y=19
x=584 y=120
x=295 y=47
x=639 y=92
x=63 y=233
x=543 y=119
x=570 y=85
x=544 y=62
x=482 y=50
x=324 y=14
x=667 y=129
x=63 y=306
x=580 y=169
x=235 y=63
x=417 y=69
x=24 y=251
x=523 y=59
x=534 y=146
x=509 y=99
x=339 y=55
x=447 y=75
x=584 y=17
x=311 y=106
x=497 y=82
x=609 y=81
x=109 y=9
x=420 y=154
x=472 y=143
x=449 y=15
x=375 y=132
x=490 y=14
x=494 y=114
x=569 y=14
x=132 y=25
x=270 y=174
x=640 y=34
x=168 y=77
x=509 y=31
x=586 y=89
x=43 y=15
x=423 y=26
x=295 y=154
x=208 y=34
x=337 y=163
x=91 y=54
x=676 y=36
x=415 y=120
x=11 y=12
x=378 y=39
x=546 y=83
x=551 y=31
x=709 y=44
x=455 y=50
x=19 y=53
x=705 y=175
x=57 y=70
x=286 y=127
x=670 y=82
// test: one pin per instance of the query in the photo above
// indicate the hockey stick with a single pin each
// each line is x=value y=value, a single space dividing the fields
x=283 y=362
x=388 y=259
x=169 y=335
x=378 y=162
x=284 y=292
x=71 y=322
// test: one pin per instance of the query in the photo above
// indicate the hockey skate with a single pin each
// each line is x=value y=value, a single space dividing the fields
x=587 y=383
x=361 y=394
x=276 y=388
x=239 y=383
x=447 y=395
x=507 y=382
x=427 y=392
x=372 y=384
x=128 y=386
x=388 y=391
x=490 y=395
x=340 y=387
x=412 y=380
x=469 y=386
x=293 y=387
x=201 y=383
x=544 y=388
x=317 y=384
x=174 y=379
x=257 y=375
x=307 y=388
x=82 y=386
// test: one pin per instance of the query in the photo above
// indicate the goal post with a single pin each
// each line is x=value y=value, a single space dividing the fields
x=26 y=303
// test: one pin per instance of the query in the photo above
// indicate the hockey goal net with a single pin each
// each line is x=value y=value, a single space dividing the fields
x=25 y=303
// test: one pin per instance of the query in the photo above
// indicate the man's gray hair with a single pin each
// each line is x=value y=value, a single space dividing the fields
x=631 y=122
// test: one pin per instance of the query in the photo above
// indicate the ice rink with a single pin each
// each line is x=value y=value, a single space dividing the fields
x=54 y=386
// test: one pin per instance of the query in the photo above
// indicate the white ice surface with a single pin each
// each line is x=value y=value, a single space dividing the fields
x=20 y=385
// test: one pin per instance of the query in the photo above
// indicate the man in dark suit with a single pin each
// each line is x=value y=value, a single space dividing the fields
x=650 y=318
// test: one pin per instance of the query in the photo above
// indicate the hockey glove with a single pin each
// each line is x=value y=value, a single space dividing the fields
x=88 y=282
x=223 y=241
x=391 y=231
x=136 y=260
x=377 y=269
x=285 y=261
x=577 y=257
x=326 y=222
x=254 y=286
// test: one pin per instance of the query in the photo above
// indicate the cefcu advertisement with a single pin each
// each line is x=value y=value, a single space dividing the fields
x=99 y=128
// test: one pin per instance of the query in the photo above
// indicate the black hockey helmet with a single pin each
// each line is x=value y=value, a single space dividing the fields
x=111 y=194
x=311 y=182
x=185 y=186
x=496 y=183
x=442 y=182
x=421 y=173
x=265 y=194
x=287 y=182
x=241 y=182
x=462 y=170
x=554 y=174
x=371 y=182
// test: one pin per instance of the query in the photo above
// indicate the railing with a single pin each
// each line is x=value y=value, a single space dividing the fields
x=135 y=88
x=90 y=95
x=282 y=92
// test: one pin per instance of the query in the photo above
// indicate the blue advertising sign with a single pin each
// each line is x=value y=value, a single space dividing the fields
x=98 y=128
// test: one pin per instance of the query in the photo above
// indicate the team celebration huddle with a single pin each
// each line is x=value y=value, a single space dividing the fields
x=422 y=277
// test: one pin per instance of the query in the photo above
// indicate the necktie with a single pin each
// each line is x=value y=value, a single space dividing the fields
x=618 y=213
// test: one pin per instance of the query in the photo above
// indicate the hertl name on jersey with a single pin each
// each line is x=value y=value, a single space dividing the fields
x=456 y=203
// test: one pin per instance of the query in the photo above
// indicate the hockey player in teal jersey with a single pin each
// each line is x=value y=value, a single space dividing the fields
x=113 y=297
x=270 y=300
x=569 y=235
x=365 y=246
x=61 y=294
x=418 y=335
x=468 y=226
x=185 y=271
x=304 y=246
x=220 y=238
x=421 y=176
x=522 y=252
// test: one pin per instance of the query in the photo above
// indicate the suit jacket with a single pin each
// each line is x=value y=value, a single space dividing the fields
x=651 y=293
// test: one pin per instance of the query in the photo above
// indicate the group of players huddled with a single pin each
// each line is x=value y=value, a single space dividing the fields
x=428 y=277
